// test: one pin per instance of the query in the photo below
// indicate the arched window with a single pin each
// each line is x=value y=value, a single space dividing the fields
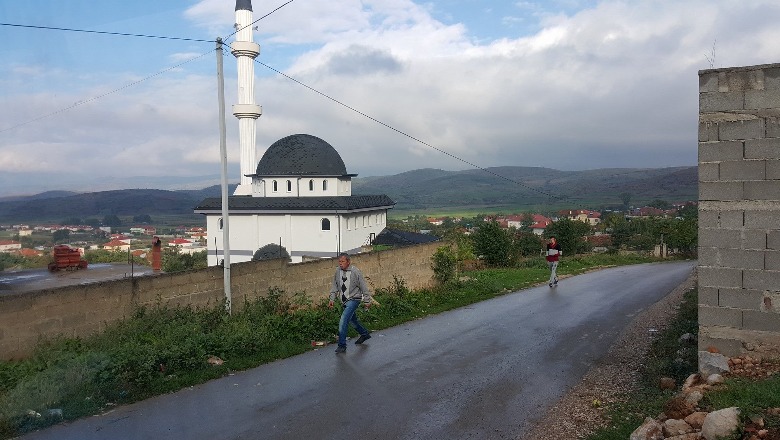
x=325 y=224
x=289 y=186
x=324 y=185
x=275 y=186
x=311 y=185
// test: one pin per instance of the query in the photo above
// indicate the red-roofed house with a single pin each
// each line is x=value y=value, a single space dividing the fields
x=183 y=242
x=9 y=245
x=25 y=252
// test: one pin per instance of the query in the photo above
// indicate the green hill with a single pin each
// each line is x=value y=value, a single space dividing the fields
x=494 y=189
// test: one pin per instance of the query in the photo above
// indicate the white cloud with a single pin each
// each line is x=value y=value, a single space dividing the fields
x=614 y=85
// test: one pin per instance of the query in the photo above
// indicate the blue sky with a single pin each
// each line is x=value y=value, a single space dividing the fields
x=565 y=84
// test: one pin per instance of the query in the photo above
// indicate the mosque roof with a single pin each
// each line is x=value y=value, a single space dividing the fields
x=243 y=5
x=301 y=155
x=248 y=204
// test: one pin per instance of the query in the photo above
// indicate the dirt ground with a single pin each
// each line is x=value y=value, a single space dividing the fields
x=27 y=280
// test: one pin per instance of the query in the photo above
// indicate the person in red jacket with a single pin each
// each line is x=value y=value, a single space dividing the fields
x=553 y=254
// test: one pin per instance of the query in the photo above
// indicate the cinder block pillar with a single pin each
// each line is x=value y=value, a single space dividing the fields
x=739 y=210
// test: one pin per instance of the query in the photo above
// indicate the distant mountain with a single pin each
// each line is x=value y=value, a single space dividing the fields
x=492 y=189
x=531 y=187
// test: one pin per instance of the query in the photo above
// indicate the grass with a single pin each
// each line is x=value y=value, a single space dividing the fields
x=669 y=356
x=162 y=349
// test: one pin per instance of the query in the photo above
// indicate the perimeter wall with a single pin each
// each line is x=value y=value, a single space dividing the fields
x=81 y=310
x=739 y=210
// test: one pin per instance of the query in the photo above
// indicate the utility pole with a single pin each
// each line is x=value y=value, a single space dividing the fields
x=223 y=159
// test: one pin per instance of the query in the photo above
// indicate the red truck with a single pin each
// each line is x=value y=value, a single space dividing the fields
x=66 y=258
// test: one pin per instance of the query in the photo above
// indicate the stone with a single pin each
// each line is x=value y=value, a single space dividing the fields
x=694 y=397
x=649 y=430
x=696 y=419
x=715 y=379
x=689 y=436
x=673 y=427
x=678 y=407
x=712 y=363
x=691 y=381
x=666 y=383
x=720 y=423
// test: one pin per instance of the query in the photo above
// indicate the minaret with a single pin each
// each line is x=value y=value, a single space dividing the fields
x=247 y=112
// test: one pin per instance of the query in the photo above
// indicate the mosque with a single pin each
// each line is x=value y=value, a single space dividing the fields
x=298 y=197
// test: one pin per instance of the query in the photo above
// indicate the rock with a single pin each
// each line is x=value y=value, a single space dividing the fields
x=693 y=398
x=213 y=360
x=696 y=419
x=712 y=363
x=720 y=423
x=687 y=337
x=692 y=380
x=689 y=436
x=678 y=407
x=673 y=427
x=666 y=383
x=649 y=430
x=714 y=379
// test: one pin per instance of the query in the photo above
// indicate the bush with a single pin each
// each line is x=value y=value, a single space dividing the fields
x=444 y=264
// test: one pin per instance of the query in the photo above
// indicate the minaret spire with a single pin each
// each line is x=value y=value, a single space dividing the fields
x=247 y=112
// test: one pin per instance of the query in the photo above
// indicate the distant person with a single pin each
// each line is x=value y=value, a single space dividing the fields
x=350 y=286
x=553 y=254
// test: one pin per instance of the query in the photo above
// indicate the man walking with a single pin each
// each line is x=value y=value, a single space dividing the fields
x=553 y=253
x=350 y=286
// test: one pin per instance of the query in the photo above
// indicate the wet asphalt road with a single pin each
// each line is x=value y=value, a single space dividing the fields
x=26 y=280
x=488 y=370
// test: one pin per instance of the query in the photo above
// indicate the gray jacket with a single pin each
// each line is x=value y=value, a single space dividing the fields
x=358 y=288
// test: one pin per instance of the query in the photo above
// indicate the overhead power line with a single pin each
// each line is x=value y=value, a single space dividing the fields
x=95 y=98
x=553 y=196
x=122 y=34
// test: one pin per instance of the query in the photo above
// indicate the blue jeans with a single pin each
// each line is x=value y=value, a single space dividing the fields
x=349 y=316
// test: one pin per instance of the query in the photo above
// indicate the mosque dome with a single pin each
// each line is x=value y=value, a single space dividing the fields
x=301 y=155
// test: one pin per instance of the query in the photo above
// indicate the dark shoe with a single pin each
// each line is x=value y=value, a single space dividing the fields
x=341 y=349
x=550 y=284
x=363 y=338
x=556 y=281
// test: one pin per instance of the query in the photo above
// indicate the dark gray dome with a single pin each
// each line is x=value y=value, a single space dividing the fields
x=243 y=5
x=271 y=251
x=301 y=154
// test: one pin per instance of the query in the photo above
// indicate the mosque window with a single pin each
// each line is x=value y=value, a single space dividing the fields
x=275 y=186
x=324 y=185
x=325 y=224
x=311 y=185
x=289 y=186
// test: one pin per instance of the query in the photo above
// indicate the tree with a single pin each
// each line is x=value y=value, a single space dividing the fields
x=61 y=235
x=173 y=261
x=92 y=222
x=143 y=218
x=493 y=244
x=112 y=220
x=527 y=244
x=626 y=199
x=569 y=234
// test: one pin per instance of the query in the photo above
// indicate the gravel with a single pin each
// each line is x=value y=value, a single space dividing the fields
x=581 y=411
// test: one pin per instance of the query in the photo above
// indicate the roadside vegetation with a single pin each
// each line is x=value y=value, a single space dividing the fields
x=162 y=349
x=676 y=357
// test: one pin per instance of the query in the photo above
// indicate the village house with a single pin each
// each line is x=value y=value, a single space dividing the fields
x=590 y=217
x=117 y=245
x=9 y=246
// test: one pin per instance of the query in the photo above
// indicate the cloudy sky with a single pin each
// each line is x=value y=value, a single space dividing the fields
x=565 y=84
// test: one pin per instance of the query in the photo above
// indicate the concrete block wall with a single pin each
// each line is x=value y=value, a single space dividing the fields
x=739 y=210
x=79 y=311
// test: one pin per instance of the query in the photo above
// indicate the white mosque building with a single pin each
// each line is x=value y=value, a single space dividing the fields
x=301 y=200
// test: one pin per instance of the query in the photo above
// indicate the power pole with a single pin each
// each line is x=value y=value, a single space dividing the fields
x=223 y=159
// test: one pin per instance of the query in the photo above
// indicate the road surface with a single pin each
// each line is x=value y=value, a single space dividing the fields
x=26 y=280
x=488 y=370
